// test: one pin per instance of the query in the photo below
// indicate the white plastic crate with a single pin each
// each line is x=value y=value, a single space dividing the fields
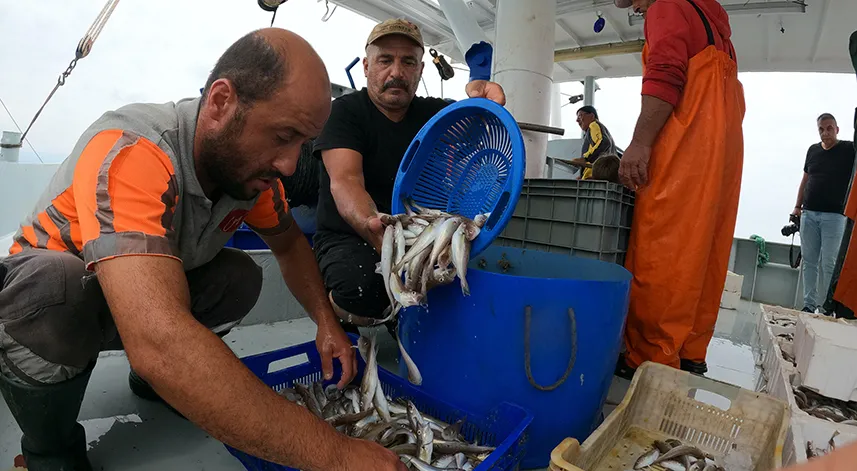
x=825 y=349
x=734 y=282
x=663 y=402
x=730 y=300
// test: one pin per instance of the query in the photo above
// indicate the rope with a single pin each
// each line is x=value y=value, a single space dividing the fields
x=764 y=257
x=84 y=46
x=572 y=357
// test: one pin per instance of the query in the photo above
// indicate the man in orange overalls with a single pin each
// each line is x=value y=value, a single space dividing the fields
x=844 y=285
x=685 y=163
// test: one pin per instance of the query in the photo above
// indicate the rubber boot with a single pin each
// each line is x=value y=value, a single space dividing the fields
x=47 y=414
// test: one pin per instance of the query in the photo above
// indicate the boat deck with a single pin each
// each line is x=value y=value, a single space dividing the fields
x=127 y=433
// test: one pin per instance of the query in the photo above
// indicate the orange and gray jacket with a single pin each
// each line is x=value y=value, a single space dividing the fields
x=129 y=187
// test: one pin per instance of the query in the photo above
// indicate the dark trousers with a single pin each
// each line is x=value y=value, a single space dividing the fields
x=347 y=264
x=54 y=319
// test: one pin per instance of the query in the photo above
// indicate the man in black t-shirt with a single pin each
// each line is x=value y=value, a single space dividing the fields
x=361 y=147
x=820 y=205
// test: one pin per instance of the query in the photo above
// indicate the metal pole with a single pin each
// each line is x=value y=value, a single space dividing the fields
x=523 y=65
x=556 y=107
x=541 y=128
x=589 y=90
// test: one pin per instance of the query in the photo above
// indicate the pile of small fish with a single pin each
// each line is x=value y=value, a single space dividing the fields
x=825 y=407
x=672 y=455
x=424 y=248
x=422 y=442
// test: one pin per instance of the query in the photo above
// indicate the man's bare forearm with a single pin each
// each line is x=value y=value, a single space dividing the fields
x=203 y=379
x=800 y=190
x=300 y=272
x=194 y=371
x=356 y=207
x=654 y=113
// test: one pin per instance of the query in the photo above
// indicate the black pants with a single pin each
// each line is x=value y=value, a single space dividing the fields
x=54 y=319
x=347 y=264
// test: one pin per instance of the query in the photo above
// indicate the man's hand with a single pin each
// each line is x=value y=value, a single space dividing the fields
x=331 y=342
x=796 y=212
x=634 y=166
x=375 y=231
x=363 y=455
x=485 y=89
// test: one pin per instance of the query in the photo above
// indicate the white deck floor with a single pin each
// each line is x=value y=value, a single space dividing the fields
x=126 y=433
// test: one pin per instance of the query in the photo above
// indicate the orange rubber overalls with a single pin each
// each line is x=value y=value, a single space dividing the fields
x=684 y=218
x=846 y=288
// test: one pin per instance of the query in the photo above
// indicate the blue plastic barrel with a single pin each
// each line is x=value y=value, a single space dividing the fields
x=471 y=350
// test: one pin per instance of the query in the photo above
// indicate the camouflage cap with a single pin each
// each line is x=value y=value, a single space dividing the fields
x=396 y=26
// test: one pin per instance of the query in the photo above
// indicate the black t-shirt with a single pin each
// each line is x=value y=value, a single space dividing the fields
x=829 y=174
x=355 y=123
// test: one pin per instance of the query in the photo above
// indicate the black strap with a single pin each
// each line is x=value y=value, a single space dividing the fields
x=705 y=22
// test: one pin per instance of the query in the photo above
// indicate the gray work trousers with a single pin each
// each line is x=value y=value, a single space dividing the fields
x=54 y=319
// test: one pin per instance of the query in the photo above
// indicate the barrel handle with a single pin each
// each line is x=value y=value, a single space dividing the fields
x=572 y=357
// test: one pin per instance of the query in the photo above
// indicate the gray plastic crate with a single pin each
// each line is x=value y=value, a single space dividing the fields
x=584 y=218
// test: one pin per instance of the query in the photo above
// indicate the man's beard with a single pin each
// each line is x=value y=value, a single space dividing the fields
x=223 y=161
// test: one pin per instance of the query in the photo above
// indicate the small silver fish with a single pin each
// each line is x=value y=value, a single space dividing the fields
x=460 y=257
x=387 y=249
x=679 y=451
x=381 y=404
x=672 y=465
x=309 y=399
x=480 y=219
x=425 y=440
x=444 y=462
x=452 y=447
x=419 y=464
x=445 y=258
x=355 y=399
x=399 y=237
x=402 y=296
x=415 y=268
x=444 y=236
x=370 y=375
x=425 y=240
x=647 y=459
x=414 y=375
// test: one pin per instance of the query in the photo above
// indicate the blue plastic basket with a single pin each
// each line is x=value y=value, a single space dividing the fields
x=503 y=427
x=468 y=159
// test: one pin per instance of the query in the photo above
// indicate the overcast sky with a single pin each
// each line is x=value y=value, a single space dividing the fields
x=162 y=50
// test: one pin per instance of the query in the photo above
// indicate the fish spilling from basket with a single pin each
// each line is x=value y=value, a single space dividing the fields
x=672 y=455
x=421 y=441
x=424 y=248
x=421 y=249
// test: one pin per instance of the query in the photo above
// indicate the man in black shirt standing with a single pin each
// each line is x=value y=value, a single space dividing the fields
x=820 y=204
x=361 y=147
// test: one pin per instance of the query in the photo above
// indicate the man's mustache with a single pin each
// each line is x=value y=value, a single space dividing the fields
x=395 y=83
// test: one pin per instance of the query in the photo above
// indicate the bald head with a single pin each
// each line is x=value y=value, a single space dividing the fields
x=268 y=94
x=258 y=64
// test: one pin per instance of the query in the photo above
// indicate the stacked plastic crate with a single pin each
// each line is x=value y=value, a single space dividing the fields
x=731 y=297
x=583 y=218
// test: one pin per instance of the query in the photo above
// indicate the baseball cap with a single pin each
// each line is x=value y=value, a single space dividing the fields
x=623 y=3
x=396 y=26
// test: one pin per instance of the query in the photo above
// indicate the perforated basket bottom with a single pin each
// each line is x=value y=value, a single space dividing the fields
x=638 y=441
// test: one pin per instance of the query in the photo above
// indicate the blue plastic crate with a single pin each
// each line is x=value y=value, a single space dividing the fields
x=504 y=427
x=245 y=239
